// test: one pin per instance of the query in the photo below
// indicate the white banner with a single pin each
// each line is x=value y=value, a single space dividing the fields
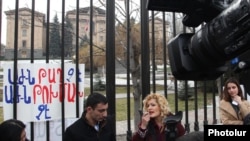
x=39 y=91
x=55 y=129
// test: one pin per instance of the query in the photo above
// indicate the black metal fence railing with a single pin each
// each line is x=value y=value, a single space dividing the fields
x=152 y=48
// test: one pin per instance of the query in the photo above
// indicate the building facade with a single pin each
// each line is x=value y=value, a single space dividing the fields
x=24 y=33
x=98 y=25
x=24 y=30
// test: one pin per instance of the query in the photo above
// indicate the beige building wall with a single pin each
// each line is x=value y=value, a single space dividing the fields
x=98 y=26
x=24 y=33
x=24 y=30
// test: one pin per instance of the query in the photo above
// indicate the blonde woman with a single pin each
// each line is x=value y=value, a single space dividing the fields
x=152 y=126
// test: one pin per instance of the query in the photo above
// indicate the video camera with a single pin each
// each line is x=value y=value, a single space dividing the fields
x=171 y=126
x=226 y=34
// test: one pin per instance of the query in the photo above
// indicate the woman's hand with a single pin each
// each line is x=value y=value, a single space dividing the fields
x=145 y=120
x=237 y=99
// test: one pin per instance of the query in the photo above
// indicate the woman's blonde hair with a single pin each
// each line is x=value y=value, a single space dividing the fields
x=161 y=100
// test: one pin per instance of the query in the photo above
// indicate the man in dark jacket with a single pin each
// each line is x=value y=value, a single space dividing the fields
x=94 y=125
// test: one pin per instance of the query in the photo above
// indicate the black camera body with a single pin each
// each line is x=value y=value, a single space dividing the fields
x=196 y=11
x=171 y=126
x=203 y=55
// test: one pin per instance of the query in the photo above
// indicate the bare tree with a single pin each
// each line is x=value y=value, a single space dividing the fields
x=134 y=45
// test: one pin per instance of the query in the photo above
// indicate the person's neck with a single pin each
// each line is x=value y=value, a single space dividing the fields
x=159 y=121
x=90 y=120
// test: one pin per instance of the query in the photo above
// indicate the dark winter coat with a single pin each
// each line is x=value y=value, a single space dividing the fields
x=156 y=134
x=80 y=130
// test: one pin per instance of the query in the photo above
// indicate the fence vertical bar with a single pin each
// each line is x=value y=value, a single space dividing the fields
x=153 y=50
x=196 y=121
x=62 y=66
x=47 y=56
x=129 y=132
x=76 y=54
x=32 y=52
x=214 y=104
x=205 y=103
x=187 y=125
x=145 y=74
x=165 y=55
x=110 y=59
x=91 y=44
x=175 y=81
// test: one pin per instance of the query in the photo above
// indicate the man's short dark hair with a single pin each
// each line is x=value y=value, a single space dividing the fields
x=94 y=99
x=192 y=136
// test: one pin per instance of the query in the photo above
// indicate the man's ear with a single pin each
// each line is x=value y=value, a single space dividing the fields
x=89 y=108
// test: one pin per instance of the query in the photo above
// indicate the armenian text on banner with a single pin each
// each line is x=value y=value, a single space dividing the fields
x=39 y=93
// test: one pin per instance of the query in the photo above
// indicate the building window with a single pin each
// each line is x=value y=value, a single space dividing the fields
x=25 y=22
x=24 y=44
x=101 y=29
x=101 y=38
x=24 y=33
x=102 y=21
